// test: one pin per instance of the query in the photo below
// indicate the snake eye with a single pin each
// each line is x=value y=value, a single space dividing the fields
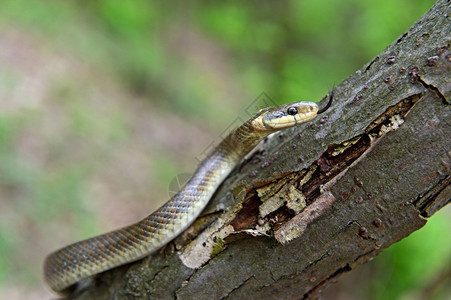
x=292 y=110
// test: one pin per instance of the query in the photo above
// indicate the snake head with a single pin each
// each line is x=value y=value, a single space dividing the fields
x=284 y=116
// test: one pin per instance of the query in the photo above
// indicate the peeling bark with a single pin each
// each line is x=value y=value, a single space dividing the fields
x=323 y=198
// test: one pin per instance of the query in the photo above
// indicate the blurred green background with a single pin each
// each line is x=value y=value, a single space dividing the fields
x=103 y=103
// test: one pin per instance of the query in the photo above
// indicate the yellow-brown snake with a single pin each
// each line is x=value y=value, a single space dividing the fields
x=80 y=260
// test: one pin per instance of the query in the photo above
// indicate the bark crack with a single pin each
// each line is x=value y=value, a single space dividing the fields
x=427 y=199
x=434 y=89
x=321 y=285
x=237 y=287
x=315 y=180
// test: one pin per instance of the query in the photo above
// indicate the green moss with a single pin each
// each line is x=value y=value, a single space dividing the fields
x=218 y=247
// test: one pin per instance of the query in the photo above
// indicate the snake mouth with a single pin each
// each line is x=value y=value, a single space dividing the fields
x=289 y=121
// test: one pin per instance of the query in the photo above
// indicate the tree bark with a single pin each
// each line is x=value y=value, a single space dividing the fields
x=319 y=200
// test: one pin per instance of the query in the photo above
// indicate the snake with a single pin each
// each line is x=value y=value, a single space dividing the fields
x=64 y=268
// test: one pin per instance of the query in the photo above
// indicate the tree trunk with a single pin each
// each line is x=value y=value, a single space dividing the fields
x=319 y=200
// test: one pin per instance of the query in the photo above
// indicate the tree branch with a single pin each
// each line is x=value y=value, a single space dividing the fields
x=319 y=200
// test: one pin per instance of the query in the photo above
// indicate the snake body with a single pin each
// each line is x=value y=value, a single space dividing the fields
x=65 y=267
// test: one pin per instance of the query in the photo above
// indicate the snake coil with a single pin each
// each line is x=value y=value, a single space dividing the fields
x=65 y=267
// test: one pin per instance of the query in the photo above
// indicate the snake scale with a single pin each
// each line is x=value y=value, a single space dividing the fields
x=71 y=264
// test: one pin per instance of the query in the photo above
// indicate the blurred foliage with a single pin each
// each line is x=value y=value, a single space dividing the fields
x=418 y=264
x=289 y=49
x=292 y=49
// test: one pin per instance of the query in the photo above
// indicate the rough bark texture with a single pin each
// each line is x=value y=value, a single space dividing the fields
x=319 y=200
